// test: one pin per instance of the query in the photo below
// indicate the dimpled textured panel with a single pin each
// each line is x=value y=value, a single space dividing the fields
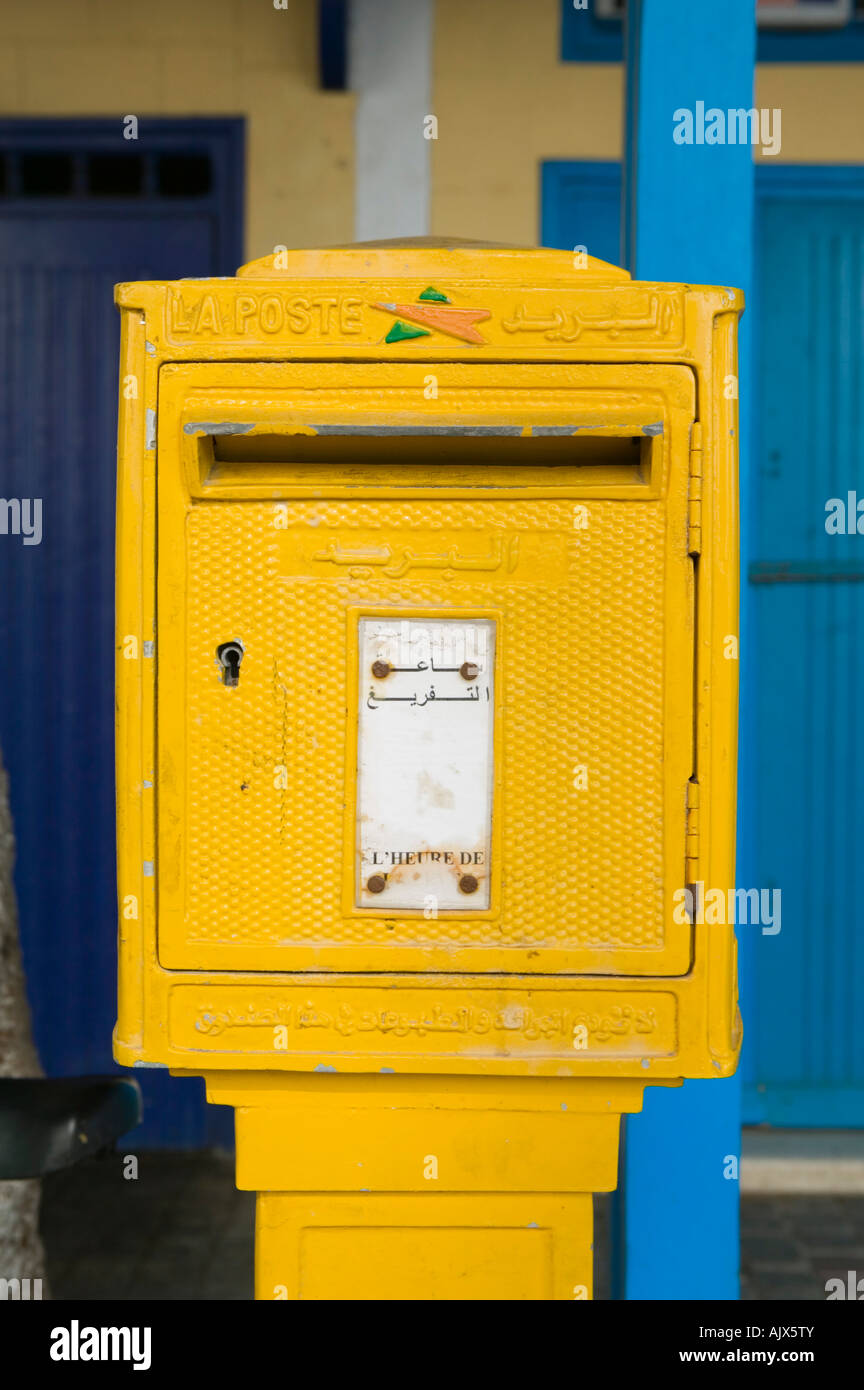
x=581 y=669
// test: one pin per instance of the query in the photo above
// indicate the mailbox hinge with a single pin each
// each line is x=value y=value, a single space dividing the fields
x=691 y=839
x=694 y=494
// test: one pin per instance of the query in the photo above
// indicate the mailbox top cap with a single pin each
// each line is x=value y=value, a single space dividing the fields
x=456 y=257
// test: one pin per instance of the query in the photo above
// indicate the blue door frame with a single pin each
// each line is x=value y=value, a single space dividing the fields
x=68 y=233
x=587 y=39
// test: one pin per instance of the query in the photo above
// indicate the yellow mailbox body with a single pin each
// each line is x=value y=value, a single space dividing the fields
x=427 y=621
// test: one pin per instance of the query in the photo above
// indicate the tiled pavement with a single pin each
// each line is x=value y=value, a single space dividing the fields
x=182 y=1231
x=792 y=1244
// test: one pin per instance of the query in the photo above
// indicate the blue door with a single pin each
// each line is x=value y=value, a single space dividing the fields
x=580 y=205
x=804 y=1043
x=83 y=209
x=807 y=1043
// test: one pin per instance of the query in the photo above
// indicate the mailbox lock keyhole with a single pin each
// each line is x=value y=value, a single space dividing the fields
x=230 y=654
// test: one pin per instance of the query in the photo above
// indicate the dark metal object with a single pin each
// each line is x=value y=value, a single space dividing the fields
x=468 y=884
x=806 y=572
x=377 y=883
x=50 y=1123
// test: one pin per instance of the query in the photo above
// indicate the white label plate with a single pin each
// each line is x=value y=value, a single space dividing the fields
x=425 y=764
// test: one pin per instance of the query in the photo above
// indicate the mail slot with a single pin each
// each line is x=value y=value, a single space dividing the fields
x=426 y=666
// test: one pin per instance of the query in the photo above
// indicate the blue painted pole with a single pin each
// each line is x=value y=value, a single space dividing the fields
x=688 y=216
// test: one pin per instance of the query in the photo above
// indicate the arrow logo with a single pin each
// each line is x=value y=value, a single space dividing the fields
x=456 y=323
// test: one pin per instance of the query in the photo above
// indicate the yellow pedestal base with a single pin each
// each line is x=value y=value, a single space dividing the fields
x=450 y=1245
x=387 y=1188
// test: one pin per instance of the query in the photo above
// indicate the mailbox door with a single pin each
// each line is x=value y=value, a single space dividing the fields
x=526 y=524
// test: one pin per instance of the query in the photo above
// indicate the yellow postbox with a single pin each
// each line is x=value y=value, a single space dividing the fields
x=426 y=673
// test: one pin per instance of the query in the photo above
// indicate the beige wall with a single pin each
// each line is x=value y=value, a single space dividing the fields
x=823 y=110
x=203 y=58
x=505 y=103
x=503 y=100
